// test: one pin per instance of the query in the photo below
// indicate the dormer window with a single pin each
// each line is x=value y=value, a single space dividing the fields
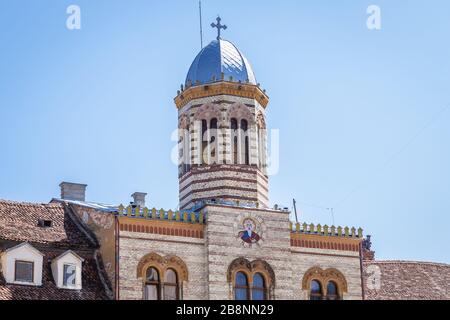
x=67 y=270
x=69 y=275
x=22 y=264
x=23 y=271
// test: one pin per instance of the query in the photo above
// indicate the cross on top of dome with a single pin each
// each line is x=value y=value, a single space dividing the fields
x=219 y=26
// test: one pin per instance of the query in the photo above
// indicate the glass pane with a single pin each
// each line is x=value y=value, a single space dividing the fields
x=69 y=275
x=152 y=274
x=170 y=292
x=170 y=277
x=241 y=280
x=258 y=281
x=315 y=287
x=151 y=292
x=331 y=288
x=258 y=294
x=241 y=294
x=24 y=271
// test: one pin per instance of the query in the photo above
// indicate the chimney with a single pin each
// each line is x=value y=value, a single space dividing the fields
x=73 y=191
x=139 y=198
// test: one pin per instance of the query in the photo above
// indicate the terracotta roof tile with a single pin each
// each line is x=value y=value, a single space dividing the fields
x=19 y=222
x=407 y=280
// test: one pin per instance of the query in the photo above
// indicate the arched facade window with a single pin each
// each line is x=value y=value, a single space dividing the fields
x=259 y=290
x=163 y=277
x=251 y=280
x=315 y=291
x=241 y=288
x=171 y=288
x=329 y=284
x=332 y=291
x=152 y=285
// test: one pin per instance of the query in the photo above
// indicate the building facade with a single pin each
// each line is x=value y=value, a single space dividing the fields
x=224 y=241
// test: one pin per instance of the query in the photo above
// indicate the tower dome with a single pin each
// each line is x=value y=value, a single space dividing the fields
x=220 y=58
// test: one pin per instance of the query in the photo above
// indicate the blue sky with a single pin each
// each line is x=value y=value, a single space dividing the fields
x=362 y=118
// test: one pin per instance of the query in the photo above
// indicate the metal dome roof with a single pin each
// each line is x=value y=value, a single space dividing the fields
x=220 y=56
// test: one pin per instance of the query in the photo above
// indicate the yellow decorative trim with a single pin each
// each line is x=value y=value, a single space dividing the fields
x=162 y=264
x=223 y=87
x=323 y=277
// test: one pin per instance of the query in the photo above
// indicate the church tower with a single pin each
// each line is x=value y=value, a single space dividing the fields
x=222 y=129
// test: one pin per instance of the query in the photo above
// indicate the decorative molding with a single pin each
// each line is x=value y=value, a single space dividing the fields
x=323 y=277
x=325 y=242
x=162 y=264
x=222 y=88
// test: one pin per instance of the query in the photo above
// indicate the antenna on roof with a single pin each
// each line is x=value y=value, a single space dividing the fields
x=201 y=27
x=295 y=210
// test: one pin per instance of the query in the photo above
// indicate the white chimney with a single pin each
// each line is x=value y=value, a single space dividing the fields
x=73 y=191
x=139 y=198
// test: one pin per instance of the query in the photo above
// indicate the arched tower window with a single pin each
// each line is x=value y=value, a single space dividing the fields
x=152 y=285
x=171 y=290
x=241 y=288
x=316 y=290
x=204 y=142
x=258 y=287
x=213 y=139
x=245 y=142
x=234 y=127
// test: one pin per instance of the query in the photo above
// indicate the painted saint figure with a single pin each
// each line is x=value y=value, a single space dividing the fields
x=248 y=235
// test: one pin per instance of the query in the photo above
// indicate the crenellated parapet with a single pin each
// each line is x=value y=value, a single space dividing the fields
x=132 y=211
x=324 y=237
x=326 y=230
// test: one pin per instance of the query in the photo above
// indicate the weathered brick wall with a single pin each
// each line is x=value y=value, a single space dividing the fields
x=347 y=262
x=288 y=263
x=224 y=246
x=222 y=107
x=134 y=246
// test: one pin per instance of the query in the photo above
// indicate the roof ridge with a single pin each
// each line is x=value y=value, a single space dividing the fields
x=25 y=203
x=407 y=262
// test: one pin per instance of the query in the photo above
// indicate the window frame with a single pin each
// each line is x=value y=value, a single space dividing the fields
x=171 y=284
x=156 y=283
x=262 y=289
x=247 y=287
x=319 y=294
x=15 y=271
x=64 y=275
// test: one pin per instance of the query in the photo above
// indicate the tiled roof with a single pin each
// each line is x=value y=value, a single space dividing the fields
x=19 y=222
x=406 y=280
x=92 y=288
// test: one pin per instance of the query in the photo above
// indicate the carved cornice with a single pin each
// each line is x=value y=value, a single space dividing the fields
x=222 y=88
x=325 y=242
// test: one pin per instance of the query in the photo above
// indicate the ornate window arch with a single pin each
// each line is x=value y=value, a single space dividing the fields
x=241 y=121
x=332 y=283
x=208 y=117
x=260 y=279
x=162 y=277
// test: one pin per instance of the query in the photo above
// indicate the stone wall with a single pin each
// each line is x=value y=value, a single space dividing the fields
x=134 y=246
